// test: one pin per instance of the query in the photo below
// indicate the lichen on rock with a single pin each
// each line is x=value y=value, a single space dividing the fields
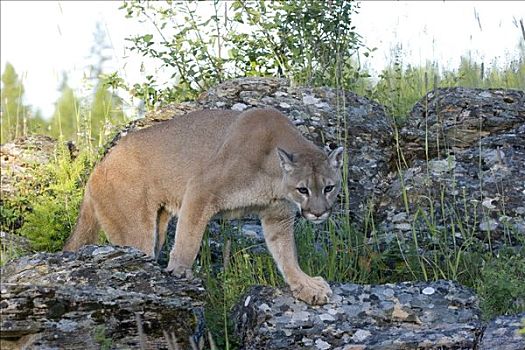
x=100 y=294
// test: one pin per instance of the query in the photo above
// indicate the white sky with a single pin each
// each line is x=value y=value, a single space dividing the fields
x=42 y=39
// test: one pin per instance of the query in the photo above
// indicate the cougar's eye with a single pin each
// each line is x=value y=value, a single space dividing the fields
x=328 y=189
x=302 y=190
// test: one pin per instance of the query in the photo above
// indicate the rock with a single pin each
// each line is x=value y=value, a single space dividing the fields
x=472 y=182
x=152 y=118
x=452 y=119
x=100 y=295
x=242 y=90
x=478 y=191
x=253 y=231
x=401 y=316
x=19 y=157
x=13 y=245
x=502 y=334
x=239 y=107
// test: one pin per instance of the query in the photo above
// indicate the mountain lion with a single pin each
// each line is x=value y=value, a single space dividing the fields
x=206 y=163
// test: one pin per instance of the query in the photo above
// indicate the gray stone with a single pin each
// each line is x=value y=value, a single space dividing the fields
x=100 y=294
x=371 y=317
x=502 y=333
x=253 y=231
x=481 y=194
x=452 y=119
x=239 y=107
x=310 y=100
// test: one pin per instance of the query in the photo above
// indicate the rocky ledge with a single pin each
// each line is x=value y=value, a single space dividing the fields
x=117 y=298
x=100 y=297
x=422 y=315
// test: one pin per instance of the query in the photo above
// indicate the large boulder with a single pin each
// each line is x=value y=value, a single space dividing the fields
x=473 y=186
x=100 y=297
x=419 y=315
x=19 y=157
x=449 y=120
x=502 y=333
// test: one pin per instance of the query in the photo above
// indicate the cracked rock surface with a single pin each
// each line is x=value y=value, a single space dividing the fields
x=480 y=190
x=99 y=295
x=502 y=333
x=472 y=183
x=420 y=315
x=451 y=119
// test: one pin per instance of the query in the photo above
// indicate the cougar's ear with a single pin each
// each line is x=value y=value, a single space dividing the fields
x=286 y=159
x=336 y=157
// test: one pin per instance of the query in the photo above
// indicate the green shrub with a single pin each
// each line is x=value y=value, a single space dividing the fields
x=501 y=286
x=55 y=205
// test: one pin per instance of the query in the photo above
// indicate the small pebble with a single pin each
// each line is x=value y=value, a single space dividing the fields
x=429 y=291
x=321 y=344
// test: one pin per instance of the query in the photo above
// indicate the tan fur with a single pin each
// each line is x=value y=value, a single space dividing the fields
x=207 y=163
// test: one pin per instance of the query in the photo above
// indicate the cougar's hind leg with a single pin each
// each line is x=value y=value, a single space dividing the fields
x=133 y=226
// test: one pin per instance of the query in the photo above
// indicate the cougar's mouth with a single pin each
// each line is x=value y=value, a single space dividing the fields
x=315 y=218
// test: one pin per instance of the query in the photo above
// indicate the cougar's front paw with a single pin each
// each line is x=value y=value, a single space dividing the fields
x=180 y=271
x=313 y=290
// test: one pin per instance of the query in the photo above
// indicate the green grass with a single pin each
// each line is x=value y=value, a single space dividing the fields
x=501 y=285
x=54 y=207
x=400 y=86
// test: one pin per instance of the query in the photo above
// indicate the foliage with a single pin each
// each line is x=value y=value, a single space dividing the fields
x=400 y=86
x=12 y=209
x=106 y=111
x=100 y=336
x=54 y=205
x=14 y=113
x=308 y=42
x=65 y=120
x=241 y=268
x=501 y=285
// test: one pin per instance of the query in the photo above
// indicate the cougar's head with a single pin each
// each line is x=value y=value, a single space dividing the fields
x=312 y=181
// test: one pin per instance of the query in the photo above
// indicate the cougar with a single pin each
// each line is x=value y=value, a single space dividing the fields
x=206 y=163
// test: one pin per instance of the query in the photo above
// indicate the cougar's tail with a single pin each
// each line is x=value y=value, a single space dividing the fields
x=87 y=227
